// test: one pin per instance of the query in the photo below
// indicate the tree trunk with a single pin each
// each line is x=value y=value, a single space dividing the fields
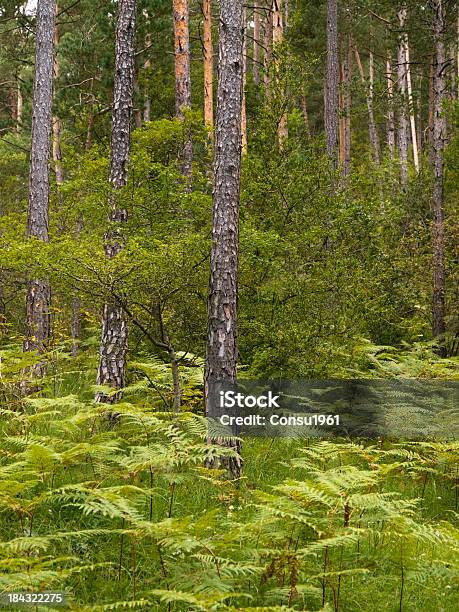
x=390 y=125
x=114 y=340
x=146 y=92
x=409 y=90
x=278 y=36
x=244 y=84
x=402 y=131
x=268 y=44
x=38 y=297
x=438 y=144
x=222 y=302
x=256 y=45
x=182 y=75
x=57 y=123
x=332 y=82
x=346 y=78
x=208 y=65
x=373 y=133
x=19 y=106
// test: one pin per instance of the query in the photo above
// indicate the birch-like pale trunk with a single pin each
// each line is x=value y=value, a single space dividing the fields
x=369 y=94
x=208 y=64
x=411 y=110
x=114 y=338
x=38 y=298
x=221 y=356
x=332 y=82
x=390 y=123
x=402 y=127
x=438 y=145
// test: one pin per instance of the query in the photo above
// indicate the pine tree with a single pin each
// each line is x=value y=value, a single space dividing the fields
x=114 y=340
x=38 y=299
x=222 y=300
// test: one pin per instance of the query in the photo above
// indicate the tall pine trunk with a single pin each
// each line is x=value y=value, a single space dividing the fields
x=332 y=82
x=278 y=36
x=38 y=299
x=438 y=144
x=208 y=64
x=244 y=85
x=182 y=75
x=222 y=301
x=114 y=339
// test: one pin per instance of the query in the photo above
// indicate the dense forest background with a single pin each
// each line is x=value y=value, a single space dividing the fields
x=168 y=169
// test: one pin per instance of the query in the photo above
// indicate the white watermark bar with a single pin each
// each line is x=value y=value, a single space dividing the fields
x=399 y=408
x=13 y=600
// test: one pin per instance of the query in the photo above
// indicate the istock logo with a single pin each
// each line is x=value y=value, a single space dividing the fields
x=229 y=399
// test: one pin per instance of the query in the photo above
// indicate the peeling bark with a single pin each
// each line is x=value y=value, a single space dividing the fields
x=38 y=297
x=114 y=338
x=222 y=301
x=208 y=64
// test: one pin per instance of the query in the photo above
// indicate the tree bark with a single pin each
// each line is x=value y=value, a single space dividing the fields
x=402 y=128
x=38 y=299
x=208 y=65
x=438 y=144
x=346 y=126
x=332 y=82
x=114 y=339
x=57 y=123
x=390 y=125
x=411 y=110
x=19 y=106
x=267 y=56
x=278 y=36
x=373 y=132
x=182 y=75
x=222 y=301
x=244 y=84
x=256 y=45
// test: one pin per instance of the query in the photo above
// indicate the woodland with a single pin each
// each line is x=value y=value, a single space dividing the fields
x=200 y=191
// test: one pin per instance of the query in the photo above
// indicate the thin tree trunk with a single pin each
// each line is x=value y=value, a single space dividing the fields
x=222 y=302
x=390 y=125
x=244 y=84
x=438 y=142
x=369 y=89
x=146 y=92
x=114 y=339
x=278 y=36
x=256 y=45
x=57 y=123
x=409 y=90
x=332 y=82
x=304 y=109
x=208 y=65
x=19 y=106
x=38 y=299
x=402 y=131
x=90 y=125
x=182 y=75
x=346 y=161
x=268 y=44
